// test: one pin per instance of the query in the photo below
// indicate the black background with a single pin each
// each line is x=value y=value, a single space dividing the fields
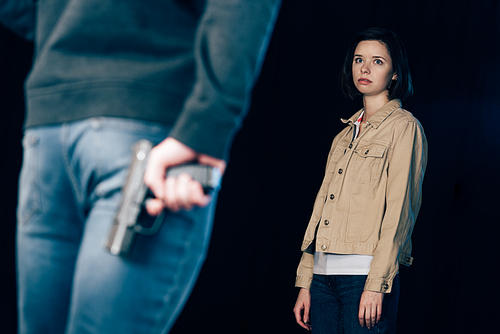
x=278 y=158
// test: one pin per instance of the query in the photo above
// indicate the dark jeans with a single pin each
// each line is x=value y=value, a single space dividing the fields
x=335 y=305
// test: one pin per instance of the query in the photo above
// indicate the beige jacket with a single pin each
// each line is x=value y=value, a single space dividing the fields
x=370 y=196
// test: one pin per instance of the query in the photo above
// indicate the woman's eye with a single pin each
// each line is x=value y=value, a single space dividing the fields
x=378 y=62
x=358 y=60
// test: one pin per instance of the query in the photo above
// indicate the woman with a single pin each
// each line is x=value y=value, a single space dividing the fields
x=367 y=205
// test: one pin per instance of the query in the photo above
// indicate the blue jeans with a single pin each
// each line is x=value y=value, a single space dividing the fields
x=335 y=305
x=69 y=192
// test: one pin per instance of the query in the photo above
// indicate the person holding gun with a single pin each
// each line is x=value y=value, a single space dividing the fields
x=105 y=75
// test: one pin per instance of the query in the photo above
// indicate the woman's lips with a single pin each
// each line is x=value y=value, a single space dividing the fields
x=364 y=81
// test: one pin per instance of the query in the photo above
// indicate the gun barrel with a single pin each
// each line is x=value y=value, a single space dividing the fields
x=134 y=193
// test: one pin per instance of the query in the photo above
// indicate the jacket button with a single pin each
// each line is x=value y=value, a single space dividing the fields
x=332 y=196
x=350 y=145
x=340 y=171
x=324 y=248
x=326 y=222
x=385 y=287
x=366 y=152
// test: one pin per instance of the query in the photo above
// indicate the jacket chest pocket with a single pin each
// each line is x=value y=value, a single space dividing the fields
x=368 y=161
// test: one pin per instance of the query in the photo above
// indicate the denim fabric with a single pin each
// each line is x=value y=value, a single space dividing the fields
x=335 y=305
x=70 y=186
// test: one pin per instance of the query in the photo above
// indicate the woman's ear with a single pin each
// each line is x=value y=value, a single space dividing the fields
x=395 y=76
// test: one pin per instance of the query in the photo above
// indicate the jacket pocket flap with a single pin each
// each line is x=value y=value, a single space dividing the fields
x=373 y=151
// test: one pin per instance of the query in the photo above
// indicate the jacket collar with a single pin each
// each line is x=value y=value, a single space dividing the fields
x=379 y=116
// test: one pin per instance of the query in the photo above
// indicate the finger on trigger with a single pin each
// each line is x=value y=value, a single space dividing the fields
x=154 y=206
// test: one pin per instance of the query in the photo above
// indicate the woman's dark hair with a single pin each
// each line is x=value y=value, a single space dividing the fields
x=400 y=88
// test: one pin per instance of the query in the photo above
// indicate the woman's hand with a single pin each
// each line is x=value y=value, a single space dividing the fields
x=302 y=307
x=370 y=308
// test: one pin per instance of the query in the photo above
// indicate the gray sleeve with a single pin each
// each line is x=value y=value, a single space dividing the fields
x=19 y=16
x=231 y=43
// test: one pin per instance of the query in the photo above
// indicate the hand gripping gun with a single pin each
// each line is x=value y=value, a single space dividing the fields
x=127 y=221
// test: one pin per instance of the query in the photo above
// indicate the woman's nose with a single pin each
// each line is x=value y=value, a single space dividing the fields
x=365 y=69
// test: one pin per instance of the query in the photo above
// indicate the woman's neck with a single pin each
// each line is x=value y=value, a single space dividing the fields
x=372 y=104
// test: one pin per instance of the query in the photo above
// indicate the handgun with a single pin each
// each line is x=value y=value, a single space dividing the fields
x=127 y=221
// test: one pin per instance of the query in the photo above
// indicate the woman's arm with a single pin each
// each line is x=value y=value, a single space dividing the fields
x=403 y=197
x=305 y=268
x=302 y=307
x=405 y=173
x=303 y=281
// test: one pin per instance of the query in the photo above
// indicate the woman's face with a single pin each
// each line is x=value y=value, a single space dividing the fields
x=372 y=68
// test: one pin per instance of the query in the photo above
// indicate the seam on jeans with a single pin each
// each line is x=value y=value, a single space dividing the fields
x=67 y=164
x=129 y=125
x=33 y=179
x=164 y=316
x=176 y=279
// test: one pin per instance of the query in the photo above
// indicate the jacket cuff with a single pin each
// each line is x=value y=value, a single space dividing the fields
x=378 y=285
x=305 y=271
x=303 y=282
x=405 y=259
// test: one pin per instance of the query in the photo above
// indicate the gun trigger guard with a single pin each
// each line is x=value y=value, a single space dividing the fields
x=153 y=229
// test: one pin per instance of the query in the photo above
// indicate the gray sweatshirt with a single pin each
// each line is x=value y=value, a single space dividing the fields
x=190 y=64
